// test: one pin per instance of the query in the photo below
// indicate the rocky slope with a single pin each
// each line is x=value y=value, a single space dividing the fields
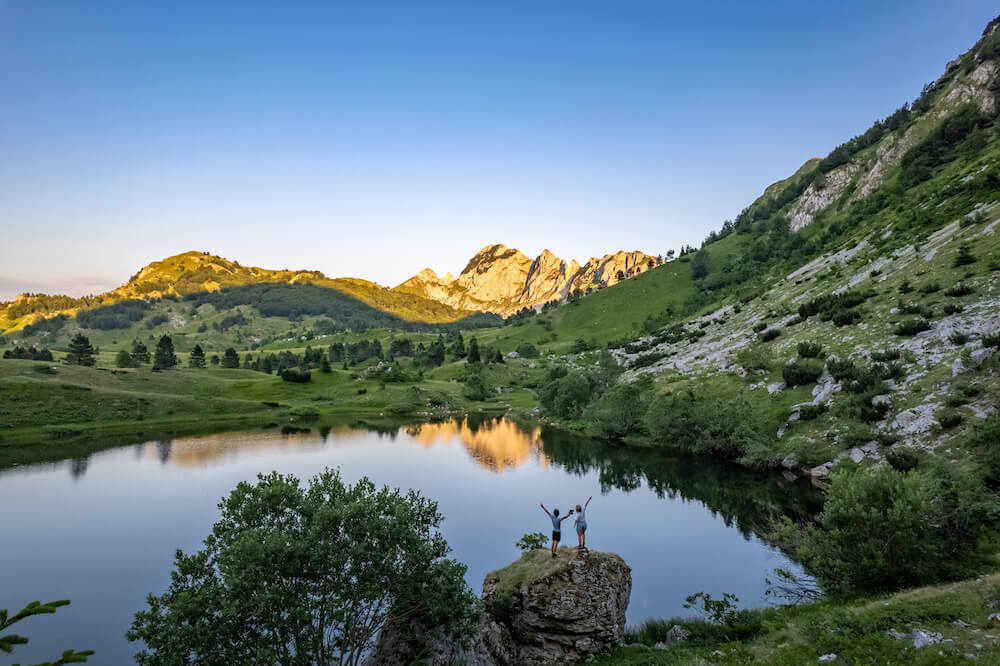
x=503 y=280
x=539 y=610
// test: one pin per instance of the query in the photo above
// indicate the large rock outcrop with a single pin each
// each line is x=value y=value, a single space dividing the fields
x=539 y=610
x=503 y=280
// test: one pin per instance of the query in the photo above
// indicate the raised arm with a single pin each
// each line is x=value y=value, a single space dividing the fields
x=587 y=503
x=544 y=509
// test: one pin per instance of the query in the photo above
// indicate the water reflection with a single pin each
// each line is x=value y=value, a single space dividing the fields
x=496 y=444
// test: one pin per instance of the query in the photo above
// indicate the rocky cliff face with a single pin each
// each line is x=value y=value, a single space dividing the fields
x=539 y=610
x=503 y=280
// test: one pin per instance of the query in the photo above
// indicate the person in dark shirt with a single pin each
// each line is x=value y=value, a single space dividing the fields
x=556 y=527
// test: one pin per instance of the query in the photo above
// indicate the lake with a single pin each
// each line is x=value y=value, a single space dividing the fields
x=102 y=531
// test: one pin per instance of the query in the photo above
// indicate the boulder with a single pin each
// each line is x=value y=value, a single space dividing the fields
x=539 y=610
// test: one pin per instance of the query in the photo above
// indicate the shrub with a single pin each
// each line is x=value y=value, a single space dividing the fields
x=905 y=287
x=930 y=288
x=533 y=541
x=527 y=350
x=964 y=256
x=810 y=412
x=881 y=529
x=760 y=326
x=802 y=371
x=952 y=308
x=958 y=338
x=959 y=290
x=794 y=321
x=810 y=349
x=728 y=428
x=617 y=413
x=991 y=340
x=296 y=375
x=888 y=354
x=845 y=317
x=841 y=369
x=903 y=460
x=769 y=334
x=912 y=327
x=949 y=418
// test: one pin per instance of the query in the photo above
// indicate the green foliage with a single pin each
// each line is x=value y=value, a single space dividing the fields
x=123 y=359
x=802 y=371
x=887 y=354
x=618 y=412
x=9 y=641
x=755 y=357
x=230 y=359
x=28 y=353
x=474 y=351
x=959 y=290
x=533 y=541
x=565 y=394
x=835 y=306
x=737 y=624
x=810 y=349
x=81 y=352
x=475 y=387
x=904 y=459
x=958 y=338
x=811 y=412
x=308 y=575
x=164 y=356
x=930 y=288
x=197 y=357
x=964 y=257
x=140 y=354
x=699 y=265
x=909 y=327
x=881 y=529
x=769 y=334
x=109 y=317
x=940 y=146
x=527 y=350
x=727 y=428
x=296 y=375
x=949 y=418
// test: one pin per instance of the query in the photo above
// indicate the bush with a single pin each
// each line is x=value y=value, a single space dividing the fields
x=827 y=306
x=912 y=327
x=841 y=369
x=991 y=340
x=769 y=334
x=881 y=529
x=958 y=338
x=903 y=460
x=727 y=428
x=959 y=290
x=755 y=357
x=810 y=349
x=527 y=350
x=617 y=413
x=759 y=326
x=532 y=541
x=845 y=317
x=949 y=418
x=802 y=371
x=887 y=354
x=964 y=256
x=295 y=375
x=952 y=308
x=811 y=412
x=930 y=288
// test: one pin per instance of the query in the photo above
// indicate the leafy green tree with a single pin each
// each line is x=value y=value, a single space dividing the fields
x=230 y=359
x=457 y=349
x=124 y=360
x=164 y=356
x=533 y=541
x=197 y=358
x=473 y=355
x=607 y=371
x=527 y=350
x=475 y=386
x=8 y=641
x=81 y=352
x=617 y=413
x=214 y=360
x=140 y=354
x=293 y=575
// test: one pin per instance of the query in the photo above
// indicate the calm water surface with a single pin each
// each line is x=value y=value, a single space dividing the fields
x=103 y=531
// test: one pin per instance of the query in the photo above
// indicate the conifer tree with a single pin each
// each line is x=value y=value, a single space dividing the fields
x=124 y=360
x=214 y=360
x=81 y=352
x=324 y=364
x=164 y=356
x=230 y=359
x=197 y=358
x=140 y=354
x=473 y=351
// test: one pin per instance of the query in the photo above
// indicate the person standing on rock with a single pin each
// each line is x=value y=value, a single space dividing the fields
x=581 y=523
x=556 y=527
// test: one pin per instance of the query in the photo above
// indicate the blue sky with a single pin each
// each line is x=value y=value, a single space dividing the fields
x=372 y=139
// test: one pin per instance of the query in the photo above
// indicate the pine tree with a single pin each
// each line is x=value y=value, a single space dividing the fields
x=230 y=359
x=215 y=359
x=473 y=351
x=140 y=354
x=164 y=357
x=124 y=359
x=324 y=364
x=197 y=358
x=81 y=352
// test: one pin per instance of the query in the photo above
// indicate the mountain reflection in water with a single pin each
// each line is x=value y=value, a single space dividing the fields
x=747 y=500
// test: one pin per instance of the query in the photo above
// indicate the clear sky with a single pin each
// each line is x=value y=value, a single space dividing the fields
x=372 y=139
